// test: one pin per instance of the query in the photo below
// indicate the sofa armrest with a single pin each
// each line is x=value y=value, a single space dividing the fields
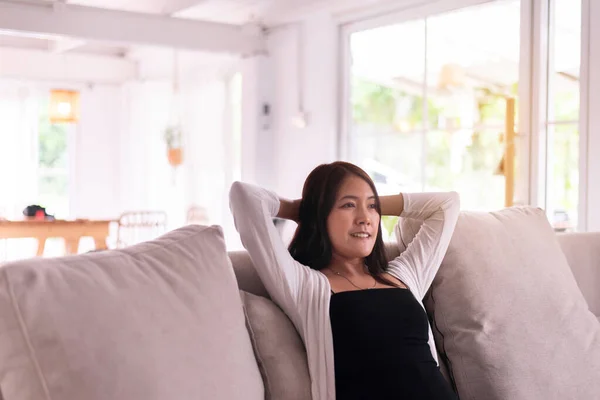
x=583 y=254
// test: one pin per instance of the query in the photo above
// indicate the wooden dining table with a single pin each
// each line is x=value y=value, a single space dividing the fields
x=70 y=230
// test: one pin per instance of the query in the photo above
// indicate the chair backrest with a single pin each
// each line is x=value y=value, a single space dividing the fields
x=140 y=226
x=197 y=215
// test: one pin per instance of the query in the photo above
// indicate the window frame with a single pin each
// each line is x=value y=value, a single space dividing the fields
x=70 y=170
x=531 y=186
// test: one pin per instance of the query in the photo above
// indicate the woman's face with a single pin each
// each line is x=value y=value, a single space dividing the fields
x=353 y=222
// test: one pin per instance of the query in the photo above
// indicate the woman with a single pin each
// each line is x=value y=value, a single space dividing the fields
x=361 y=343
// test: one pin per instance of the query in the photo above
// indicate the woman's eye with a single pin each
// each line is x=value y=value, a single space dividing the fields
x=373 y=206
x=348 y=205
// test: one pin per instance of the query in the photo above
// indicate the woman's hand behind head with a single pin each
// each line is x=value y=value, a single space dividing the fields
x=289 y=209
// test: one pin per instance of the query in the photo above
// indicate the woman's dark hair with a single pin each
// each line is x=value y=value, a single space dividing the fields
x=311 y=245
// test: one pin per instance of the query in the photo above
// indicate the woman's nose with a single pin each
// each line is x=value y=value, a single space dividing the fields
x=363 y=217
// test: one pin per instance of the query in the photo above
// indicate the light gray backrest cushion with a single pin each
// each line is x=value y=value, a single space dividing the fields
x=245 y=273
x=278 y=348
x=583 y=254
x=155 y=321
x=508 y=312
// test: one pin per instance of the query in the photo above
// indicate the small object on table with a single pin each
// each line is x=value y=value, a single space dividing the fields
x=38 y=213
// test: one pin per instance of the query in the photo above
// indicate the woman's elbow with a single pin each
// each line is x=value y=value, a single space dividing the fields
x=453 y=201
x=237 y=194
x=236 y=189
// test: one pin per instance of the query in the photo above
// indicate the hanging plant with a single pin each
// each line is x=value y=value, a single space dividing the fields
x=173 y=139
x=174 y=133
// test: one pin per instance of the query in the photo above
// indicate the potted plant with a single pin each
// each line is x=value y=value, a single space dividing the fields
x=173 y=138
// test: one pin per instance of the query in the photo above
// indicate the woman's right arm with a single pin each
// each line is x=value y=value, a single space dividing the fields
x=289 y=209
x=253 y=209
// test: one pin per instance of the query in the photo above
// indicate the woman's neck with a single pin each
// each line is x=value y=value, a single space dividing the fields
x=348 y=267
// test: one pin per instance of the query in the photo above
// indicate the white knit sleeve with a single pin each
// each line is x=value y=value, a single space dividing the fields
x=253 y=210
x=423 y=233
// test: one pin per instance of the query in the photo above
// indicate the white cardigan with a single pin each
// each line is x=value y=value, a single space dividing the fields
x=304 y=294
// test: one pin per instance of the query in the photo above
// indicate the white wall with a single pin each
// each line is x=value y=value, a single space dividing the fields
x=37 y=65
x=204 y=125
x=18 y=146
x=144 y=176
x=591 y=147
x=297 y=151
x=258 y=134
x=97 y=160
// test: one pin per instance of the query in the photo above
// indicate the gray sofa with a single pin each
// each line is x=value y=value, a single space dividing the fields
x=166 y=319
x=582 y=251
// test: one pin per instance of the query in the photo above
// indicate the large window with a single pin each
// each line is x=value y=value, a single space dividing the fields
x=34 y=160
x=54 y=148
x=429 y=102
x=34 y=153
x=434 y=103
x=562 y=124
x=53 y=165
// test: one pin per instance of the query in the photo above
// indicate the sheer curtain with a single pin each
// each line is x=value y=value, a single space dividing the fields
x=18 y=158
x=203 y=180
x=18 y=147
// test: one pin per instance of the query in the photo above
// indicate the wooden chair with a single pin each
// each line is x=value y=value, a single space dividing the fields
x=140 y=226
x=197 y=215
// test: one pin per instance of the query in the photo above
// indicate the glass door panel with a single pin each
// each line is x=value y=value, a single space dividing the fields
x=430 y=99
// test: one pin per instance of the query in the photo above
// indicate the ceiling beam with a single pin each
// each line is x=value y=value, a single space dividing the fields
x=127 y=27
x=170 y=9
x=41 y=65
x=175 y=6
x=63 y=45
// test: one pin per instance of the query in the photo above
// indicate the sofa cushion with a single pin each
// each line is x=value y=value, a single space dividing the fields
x=159 y=320
x=246 y=275
x=279 y=350
x=583 y=254
x=509 y=315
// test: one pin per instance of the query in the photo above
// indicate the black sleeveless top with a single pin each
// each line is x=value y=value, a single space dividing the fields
x=381 y=350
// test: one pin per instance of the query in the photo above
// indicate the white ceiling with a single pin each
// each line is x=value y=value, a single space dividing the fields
x=247 y=14
x=235 y=12
x=268 y=12
x=24 y=42
x=232 y=11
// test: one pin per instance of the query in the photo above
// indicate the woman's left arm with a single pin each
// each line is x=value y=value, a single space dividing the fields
x=392 y=205
x=426 y=224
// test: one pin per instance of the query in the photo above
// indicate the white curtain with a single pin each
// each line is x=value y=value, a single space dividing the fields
x=18 y=147
x=147 y=179
x=18 y=160
x=132 y=146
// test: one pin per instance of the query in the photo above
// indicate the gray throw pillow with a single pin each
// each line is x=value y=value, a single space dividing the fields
x=508 y=312
x=161 y=320
x=278 y=348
